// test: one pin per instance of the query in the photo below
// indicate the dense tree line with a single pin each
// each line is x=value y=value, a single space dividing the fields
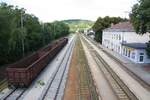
x=140 y=18
x=103 y=23
x=22 y=33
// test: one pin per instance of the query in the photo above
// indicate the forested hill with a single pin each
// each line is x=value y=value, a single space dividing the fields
x=78 y=24
x=76 y=21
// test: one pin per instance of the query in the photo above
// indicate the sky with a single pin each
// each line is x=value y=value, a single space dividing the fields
x=51 y=10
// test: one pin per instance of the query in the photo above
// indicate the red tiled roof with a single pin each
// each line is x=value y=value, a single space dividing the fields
x=123 y=26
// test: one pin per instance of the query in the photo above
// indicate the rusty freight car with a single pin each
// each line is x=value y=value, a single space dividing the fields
x=23 y=72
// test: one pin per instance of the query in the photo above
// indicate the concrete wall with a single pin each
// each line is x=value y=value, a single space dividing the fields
x=132 y=37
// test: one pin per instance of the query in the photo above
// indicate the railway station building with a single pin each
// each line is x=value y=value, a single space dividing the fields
x=123 y=39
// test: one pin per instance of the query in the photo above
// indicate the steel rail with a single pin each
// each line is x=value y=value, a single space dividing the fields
x=139 y=79
x=49 y=85
x=63 y=72
x=119 y=88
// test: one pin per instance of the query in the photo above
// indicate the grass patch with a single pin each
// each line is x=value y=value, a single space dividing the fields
x=41 y=83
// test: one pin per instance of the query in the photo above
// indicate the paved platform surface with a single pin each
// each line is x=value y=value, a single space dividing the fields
x=104 y=89
x=141 y=70
x=139 y=91
x=36 y=89
x=38 y=85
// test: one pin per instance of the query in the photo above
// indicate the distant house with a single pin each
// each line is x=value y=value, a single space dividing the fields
x=91 y=33
x=123 y=39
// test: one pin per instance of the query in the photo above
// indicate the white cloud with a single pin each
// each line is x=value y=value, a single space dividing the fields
x=50 y=10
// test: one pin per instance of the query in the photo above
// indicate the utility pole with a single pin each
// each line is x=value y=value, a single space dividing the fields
x=43 y=34
x=22 y=34
x=126 y=14
x=54 y=27
x=54 y=30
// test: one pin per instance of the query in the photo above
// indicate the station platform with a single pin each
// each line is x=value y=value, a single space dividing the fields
x=141 y=70
x=140 y=91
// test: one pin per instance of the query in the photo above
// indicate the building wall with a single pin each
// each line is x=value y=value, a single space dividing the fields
x=130 y=53
x=146 y=59
x=131 y=37
x=135 y=55
x=114 y=40
x=92 y=36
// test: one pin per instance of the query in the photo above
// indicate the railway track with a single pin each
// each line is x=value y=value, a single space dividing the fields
x=140 y=80
x=119 y=88
x=3 y=84
x=87 y=89
x=14 y=94
x=17 y=93
x=56 y=85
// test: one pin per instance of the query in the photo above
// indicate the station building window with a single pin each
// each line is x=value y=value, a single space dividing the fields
x=141 y=58
x=116 y=36
x=133 y=55
x=141 y=53
x=129 y=53
x=118 y=48
x=126 y=52
x=119 y=37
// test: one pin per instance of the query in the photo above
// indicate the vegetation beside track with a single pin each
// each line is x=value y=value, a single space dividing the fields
x=22 y=33
x=80 y=84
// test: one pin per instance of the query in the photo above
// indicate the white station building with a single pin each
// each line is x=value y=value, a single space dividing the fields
x=123 y=39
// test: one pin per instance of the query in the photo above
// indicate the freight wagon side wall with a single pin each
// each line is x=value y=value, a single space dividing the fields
x=17 y=73
x=37 y=66
x=25 y=62
x=24 y=76
x=16 y=76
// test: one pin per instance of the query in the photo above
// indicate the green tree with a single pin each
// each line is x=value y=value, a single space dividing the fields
x=140 y=18
x=22 y=33
x=103 y=23
x=7 y=27
x=60 y=29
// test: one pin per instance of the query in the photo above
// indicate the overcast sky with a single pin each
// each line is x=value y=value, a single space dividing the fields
x=50 y=10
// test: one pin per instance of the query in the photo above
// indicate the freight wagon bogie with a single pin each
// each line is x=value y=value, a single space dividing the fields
x=22 y=73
